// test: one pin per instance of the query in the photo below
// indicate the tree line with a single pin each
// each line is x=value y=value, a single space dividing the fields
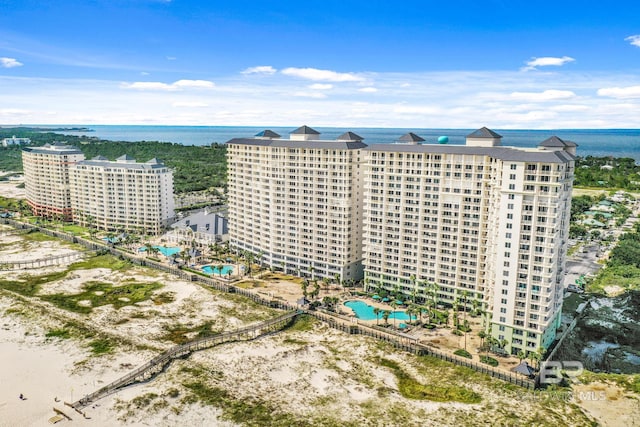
x=196 y=168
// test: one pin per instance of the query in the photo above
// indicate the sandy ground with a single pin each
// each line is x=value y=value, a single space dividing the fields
x=311 y=374
x=10 y=189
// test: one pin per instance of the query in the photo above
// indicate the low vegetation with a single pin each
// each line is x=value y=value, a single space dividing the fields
x=97 y=294
x=410 y=388
x=249 y=412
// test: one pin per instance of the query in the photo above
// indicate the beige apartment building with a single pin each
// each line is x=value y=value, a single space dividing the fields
x=481 y=221
x=122 y=195
x=297 y=203
x=46 y=178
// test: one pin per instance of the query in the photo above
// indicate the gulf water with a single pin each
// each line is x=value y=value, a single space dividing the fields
x=591 y=142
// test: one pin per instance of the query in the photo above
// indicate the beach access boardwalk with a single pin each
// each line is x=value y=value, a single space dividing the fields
x=346 y=324
x=159 y=363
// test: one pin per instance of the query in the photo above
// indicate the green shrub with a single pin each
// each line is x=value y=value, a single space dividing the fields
x=463 y=353
x=489 y=360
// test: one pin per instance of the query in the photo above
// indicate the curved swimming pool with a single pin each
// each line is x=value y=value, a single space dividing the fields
x=226 y=269
x=364 y=311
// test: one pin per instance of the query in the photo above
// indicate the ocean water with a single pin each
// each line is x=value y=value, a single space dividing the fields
x=591 y=142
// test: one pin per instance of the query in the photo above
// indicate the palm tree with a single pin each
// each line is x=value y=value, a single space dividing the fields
x=385 y=316
x=219 y=268
x=304 y=285
x=412 y=278
x=465 y=296
x=542 y=352
x=456 y=308
x=482 y=335
x=325 y=281
x=376 y=311
x=521 y=356
x=503 y=343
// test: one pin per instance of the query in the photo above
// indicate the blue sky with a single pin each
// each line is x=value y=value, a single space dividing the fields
x=457 y=64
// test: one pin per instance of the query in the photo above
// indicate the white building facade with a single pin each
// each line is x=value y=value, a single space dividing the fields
x=298 y=203
x=473 y=222
x=47 y=181
x=122 y=195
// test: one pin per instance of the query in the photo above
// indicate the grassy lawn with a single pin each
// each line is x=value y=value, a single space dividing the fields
x=275 y=276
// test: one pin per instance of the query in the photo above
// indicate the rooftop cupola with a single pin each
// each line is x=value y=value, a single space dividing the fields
x=350 y=136
x=410 y=139
x=125 y=159
x=267 y=134
x=304 y=133
x=556 y=144
x=484 y=137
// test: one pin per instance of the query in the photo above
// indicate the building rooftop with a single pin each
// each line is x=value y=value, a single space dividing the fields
x=503 y=153
x=411 y=137
x=56 y=148
x=100 y=161
x=484 y=132
x=305 y=130
x=349 y=136
x=287 y=143
x=267 y=133
x=554 y=142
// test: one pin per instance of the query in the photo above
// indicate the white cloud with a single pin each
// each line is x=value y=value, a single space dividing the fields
x=368 y=89
x=318 y=95
x=9 y=62
x=190 y=104
x=261 y=69
x=547 y=61
x=171 y=58
x=144 y=73
x=634 y=40
x=461 y=99
x=205 y=84
x=321 y=86
x=628 y=92
x=321 y=75
x=180 y=84
x=547 y=95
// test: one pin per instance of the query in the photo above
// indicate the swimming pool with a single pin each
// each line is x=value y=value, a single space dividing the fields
x=365 y=312
x=226 y=269
x=164 y=250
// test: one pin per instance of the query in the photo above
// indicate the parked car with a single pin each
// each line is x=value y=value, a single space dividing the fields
x=574 y=288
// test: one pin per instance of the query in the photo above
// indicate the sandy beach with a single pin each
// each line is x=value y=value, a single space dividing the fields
x=312 y=375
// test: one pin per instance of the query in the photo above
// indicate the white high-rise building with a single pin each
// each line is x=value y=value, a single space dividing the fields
x=122 y=195
x=481 y=221
x=46 y=179
x=298 y=202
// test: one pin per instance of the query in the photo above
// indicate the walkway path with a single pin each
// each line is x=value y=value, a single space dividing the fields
x=159 y=363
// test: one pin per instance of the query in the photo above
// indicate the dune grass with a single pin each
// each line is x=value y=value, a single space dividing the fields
x=410 y=388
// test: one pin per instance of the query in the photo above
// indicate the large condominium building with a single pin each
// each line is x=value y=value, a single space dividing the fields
x=122 y=194
x=472 y=222
x=46 y=178
x=298 y=202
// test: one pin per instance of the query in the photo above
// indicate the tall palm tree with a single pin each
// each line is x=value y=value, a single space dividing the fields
x=376 y=311
x=414 y=282
x=385 y=316
x=482 y=335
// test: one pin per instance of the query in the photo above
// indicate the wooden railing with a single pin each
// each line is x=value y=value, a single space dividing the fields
x=160 y=362
x=398 y=340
